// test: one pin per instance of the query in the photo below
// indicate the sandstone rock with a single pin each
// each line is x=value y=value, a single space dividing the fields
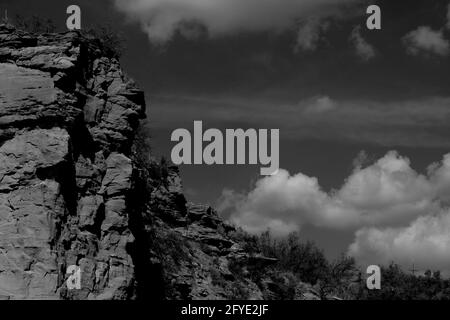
x=89 y=210
x=118 y=175
x=32 y=153
x=61 y=202
x=28 y=264
x=19 y=85
x=205 y=215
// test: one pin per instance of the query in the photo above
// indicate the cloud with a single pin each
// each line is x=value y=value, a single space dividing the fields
x=161 y=18
x=361 y=159
x=364 y=50
x=426 y=40
x=424 y=243
x=410 y=123
x=387 y=193
x=308 y=34
x=397 y=214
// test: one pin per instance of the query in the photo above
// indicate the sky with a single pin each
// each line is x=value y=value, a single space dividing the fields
x=363 y=114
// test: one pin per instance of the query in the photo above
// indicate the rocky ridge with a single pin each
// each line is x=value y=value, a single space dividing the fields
x=72 y=192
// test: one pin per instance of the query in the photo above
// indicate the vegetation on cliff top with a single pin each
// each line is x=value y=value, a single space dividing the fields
x=111 y=41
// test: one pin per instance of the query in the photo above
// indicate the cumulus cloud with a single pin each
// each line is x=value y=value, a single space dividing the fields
x=424 y=243
x=364 y=50
x=426 y=40
x=161 y=18
x=398 y=214
x=387 y=193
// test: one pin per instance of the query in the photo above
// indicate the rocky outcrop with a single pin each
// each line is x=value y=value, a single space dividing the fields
x=67 y=119
x=73 y=191
x=203 y=257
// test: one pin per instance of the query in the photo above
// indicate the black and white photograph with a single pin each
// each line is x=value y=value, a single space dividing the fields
x=225 y=150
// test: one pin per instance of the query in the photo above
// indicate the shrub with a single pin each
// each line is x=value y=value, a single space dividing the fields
x=338 y=278
x=152 y=173
x=305 y=260
x=110 y=40
x=33 y=24
x=170 y=247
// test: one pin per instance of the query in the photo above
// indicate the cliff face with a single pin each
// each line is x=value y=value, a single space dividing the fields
x=67 y=118
x=72 y=191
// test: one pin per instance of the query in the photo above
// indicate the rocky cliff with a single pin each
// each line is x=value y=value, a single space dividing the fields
x=74 y=190
x=67 y=118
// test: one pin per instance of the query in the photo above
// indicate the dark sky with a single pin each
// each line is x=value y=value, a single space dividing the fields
x=396 y=100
